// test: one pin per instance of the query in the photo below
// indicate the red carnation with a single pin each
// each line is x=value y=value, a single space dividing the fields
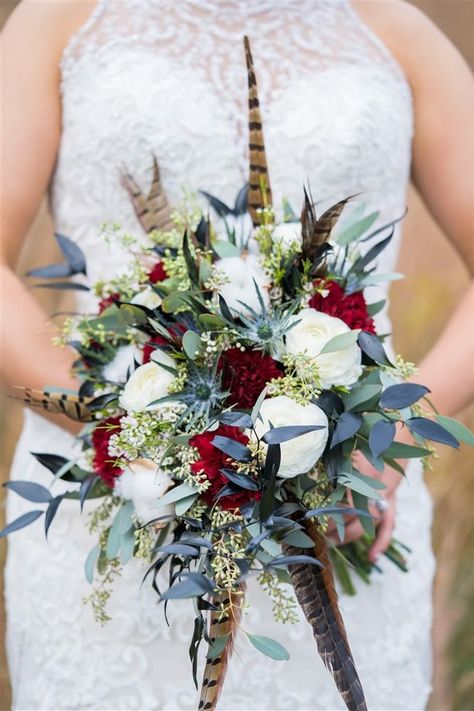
x=212 y=460
x=103 y=463
x=158 y=273
x=108 y=301
x=148 y=348
x=350 y=308
x=245 y=374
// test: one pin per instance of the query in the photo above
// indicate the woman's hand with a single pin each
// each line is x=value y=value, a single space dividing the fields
x=384 y=521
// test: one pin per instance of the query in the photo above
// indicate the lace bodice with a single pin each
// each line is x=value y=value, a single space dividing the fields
x=167 y=77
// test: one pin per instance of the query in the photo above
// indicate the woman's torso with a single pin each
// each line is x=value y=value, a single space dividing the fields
x=165 y=78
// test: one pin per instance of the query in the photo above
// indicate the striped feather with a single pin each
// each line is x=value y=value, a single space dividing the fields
x=317 y=231
x=260 y=193
x=316 y=594
x=223 y=622
x=73 y=406
x=153 y=210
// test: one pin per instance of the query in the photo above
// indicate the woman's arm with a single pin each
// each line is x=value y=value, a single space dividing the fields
x=32 y=42
x=443 y=159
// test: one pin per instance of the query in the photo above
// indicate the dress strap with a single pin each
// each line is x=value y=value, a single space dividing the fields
x=72 y=48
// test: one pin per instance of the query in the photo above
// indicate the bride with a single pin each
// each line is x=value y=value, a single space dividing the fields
x=355 y=96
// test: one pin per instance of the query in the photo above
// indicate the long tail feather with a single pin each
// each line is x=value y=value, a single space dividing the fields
x=153 y=210
x=316 y=593
x=224 y=622
x=260 y=193
x=73 y=406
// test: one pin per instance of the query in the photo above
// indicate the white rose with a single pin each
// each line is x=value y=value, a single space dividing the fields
x=241 y=272
x=287 y=234
x=144 y=484
x=148 y=298
x=315 y=329
x=117 y=370
x=149 y=382
x=300 y=454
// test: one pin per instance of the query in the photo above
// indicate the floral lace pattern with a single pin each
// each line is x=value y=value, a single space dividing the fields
x=145 y=77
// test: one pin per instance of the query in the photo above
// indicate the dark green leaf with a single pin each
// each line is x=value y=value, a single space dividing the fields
x=346 y=427
x=428 y=429
x=51 y=512
x=278 y=435
x=29 y=490
x=236 y=419
x=381 y=437
x=242 y=480
x=372 y=347
x=20 y=522
x=235 y=450
x=73 y=254
x=396 y=397
x=293 y=560
x=193 y=585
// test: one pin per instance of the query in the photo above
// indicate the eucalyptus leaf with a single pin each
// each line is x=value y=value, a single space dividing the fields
x=225 y=249
x=185 y=504
x=457 y=429
x=192 y=344
x=269 y=647
x=376 y=307
x=182 y=491
x=341 y=342
x=356 y=229
x=91 y=563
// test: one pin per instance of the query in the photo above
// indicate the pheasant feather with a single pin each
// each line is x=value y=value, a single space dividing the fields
x=73 y=406
x=316 y=594
x=316 y=232
x=260 y=193
x=224 y=623
x=153 y=210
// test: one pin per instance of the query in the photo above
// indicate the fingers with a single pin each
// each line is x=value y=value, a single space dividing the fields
x=384 y=532
x=352 y=532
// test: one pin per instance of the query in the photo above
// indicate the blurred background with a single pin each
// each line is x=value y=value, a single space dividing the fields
x=435 y=279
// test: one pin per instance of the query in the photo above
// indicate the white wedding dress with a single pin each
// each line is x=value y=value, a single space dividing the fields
x=146 y=77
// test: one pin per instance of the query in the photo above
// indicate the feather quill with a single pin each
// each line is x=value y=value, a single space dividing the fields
x=316 y=594
x=153 y=210
x=224 y=622
x=260 y=193
x=73 y=406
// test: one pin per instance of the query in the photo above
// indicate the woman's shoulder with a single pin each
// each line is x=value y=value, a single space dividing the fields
x=49 y=23
x=413 y=38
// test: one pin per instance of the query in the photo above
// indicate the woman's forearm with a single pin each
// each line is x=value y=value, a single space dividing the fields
x=448 y=369
x=28 y=356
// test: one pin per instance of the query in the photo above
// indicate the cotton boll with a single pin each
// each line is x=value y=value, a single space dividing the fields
x=144 y=484
x=117 y=370
x=148 y=298
x=242 y=272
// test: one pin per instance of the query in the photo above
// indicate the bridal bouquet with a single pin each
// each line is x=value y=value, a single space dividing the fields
x=227 y=378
